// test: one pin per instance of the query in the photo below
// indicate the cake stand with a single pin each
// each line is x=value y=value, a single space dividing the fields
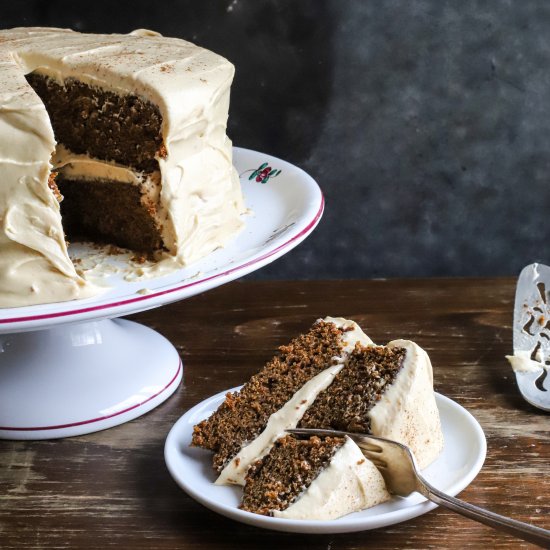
x=74 y=367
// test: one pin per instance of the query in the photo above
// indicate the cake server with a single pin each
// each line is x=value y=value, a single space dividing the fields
x=397 y=465
x=531 y=332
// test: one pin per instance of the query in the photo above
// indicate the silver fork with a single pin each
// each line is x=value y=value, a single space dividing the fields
x=398 y=467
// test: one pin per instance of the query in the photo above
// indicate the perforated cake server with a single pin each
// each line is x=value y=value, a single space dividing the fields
x=531 y=331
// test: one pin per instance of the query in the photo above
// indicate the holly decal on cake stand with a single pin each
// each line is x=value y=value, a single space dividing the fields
x=262 y=174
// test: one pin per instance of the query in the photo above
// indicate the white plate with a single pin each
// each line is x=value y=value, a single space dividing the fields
x=286 y=206
x=458 y=464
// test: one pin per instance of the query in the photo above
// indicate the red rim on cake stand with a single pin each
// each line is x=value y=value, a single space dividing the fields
x=73 y=368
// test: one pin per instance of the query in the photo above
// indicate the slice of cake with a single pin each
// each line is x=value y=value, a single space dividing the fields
x=114 y=138
x=332 y=377
x=318 y=478
x=247 y=424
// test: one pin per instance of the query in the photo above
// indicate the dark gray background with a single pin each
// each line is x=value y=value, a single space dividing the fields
x=426 y=123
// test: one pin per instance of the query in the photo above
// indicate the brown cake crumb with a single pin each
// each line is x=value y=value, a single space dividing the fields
x=243 y=414
x=104 y=211
x=53 y=186
x=345 y=404
x=139 y=258
x=126 y=129
x=277 y=480
x=162 y=152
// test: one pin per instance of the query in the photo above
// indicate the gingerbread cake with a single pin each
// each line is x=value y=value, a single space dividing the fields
x=332 y=377
x=111 y=138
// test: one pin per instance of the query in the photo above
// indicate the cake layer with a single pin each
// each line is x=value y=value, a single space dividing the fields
x=349 y=483
x=102 y=124
x=107 y=211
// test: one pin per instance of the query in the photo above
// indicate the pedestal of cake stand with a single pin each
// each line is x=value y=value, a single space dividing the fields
x=83 y=377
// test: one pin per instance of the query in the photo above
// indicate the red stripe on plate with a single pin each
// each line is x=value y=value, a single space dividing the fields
x=99 y=418
x=170 y=291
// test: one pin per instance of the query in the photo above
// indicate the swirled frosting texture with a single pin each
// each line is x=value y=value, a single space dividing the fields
x=200 y=199
x=407 y=411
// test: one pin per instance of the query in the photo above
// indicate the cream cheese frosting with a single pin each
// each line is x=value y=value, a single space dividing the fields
x=200 y=198
x=407 y=411
x=349 y=483
x=521 y=362
x=84 y=167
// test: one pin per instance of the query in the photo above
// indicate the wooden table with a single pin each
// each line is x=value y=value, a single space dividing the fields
x=112 y=488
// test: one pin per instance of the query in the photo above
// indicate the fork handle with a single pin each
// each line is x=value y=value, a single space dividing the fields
x=514 y=527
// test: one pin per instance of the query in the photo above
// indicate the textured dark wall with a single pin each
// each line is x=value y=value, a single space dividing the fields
x=426 y=123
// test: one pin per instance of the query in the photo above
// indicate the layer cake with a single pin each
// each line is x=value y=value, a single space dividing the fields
x=129 y=133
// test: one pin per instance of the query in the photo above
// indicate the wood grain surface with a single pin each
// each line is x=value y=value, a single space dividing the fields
x=112 y=488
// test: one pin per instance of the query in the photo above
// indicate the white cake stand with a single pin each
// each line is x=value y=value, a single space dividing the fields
x=73 y=368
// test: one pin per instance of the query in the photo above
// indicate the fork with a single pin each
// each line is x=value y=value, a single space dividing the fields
x=397 y=465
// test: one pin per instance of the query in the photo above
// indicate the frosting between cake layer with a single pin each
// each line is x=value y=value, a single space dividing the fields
x=84 y=167
x=349 y=483
x=407 y=411
x=200 y=193
x=291 y=413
